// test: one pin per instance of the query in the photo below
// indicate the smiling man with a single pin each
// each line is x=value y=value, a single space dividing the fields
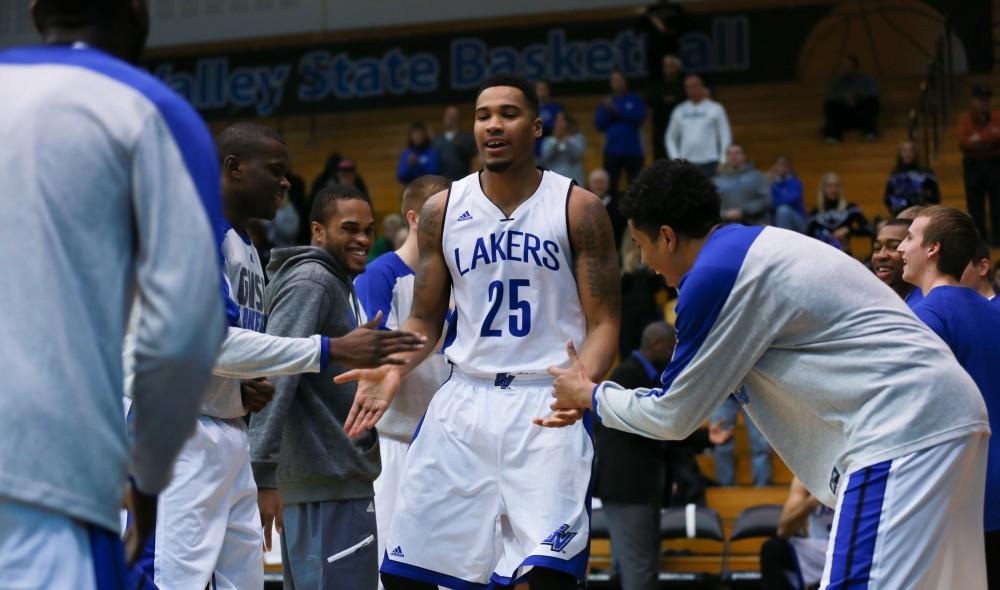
x=487 y=496
x=863 y=403
x=937 y=249
x=315 y=483
x=887 y=261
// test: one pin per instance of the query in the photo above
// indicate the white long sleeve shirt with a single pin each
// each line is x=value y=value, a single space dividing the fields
x=110 y=194
x=698 y=132
x=831 y=365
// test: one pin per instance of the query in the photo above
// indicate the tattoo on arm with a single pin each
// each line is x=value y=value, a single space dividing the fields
x=599 y=256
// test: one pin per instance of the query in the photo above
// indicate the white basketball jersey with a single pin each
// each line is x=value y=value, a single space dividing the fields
x=244 y=279
x=514 y=285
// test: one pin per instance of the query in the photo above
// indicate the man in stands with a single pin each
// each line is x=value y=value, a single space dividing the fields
x=979 y=140
x=852 y=101
x=699 y=129
x=938 y=247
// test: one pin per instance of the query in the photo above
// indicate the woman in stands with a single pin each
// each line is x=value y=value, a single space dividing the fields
x=835 y=220
x=910 y=183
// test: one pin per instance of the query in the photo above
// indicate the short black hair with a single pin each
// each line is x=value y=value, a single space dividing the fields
x=674 y=193
x=955 y=231
x=243 y=140
x=325 y=201
x=75 y=12
x=515 y=81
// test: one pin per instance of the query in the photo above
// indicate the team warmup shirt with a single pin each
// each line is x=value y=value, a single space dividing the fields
x=111 y=194
x=387 y=286
x=512 y=277
x=828 y=361
x=970 y=325
x=247 y=352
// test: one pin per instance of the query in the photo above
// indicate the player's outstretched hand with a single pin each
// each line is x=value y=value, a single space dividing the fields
x=142 y=507
x=367 y=346
x=571 y=388
x=718 y=435
x=270 y=506
x=376 y=390
x=256 y=393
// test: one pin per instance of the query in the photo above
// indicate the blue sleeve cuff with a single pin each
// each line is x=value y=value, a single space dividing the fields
x=593 y=403
x=324 y=352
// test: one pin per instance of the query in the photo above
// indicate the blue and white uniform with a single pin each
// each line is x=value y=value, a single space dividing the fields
x=387 y=286
x=810 y=550
x=111 y=194
x=863 y=402
x=208 y=525
x=970 y=325
x=485 y=494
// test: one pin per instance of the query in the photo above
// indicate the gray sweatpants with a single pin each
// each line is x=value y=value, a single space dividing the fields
x=316 y=531
x=635 y=544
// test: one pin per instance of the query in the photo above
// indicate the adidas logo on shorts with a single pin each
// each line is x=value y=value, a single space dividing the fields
x=397 y=552
x=465 y=216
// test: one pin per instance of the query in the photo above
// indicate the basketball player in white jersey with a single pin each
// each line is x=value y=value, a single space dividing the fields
x=487 y=494
x=386 y=286
x=208 y=529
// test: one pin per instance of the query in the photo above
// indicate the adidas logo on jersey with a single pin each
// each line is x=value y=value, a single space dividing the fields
x=397 y=552
x=465 y=216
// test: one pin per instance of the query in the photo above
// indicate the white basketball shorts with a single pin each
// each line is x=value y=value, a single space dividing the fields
x=485 y=494
x=914 y=522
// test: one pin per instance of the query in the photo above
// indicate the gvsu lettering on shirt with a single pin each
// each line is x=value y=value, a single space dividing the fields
x=558 y=540
x=251 y=319
x=511 y=245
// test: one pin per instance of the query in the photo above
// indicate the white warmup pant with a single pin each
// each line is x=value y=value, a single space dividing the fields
x=208 y=529
x=914 y=522
x=393 y=454
x=44 y=549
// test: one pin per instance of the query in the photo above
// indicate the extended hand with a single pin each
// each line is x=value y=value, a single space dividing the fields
x=376 y=390
x=718 y=435
x=572 y=389
x=269 y=503
x=367 y=346
x=142 y=507
x=256 y=393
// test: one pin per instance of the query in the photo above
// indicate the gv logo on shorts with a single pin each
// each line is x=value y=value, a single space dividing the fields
x=558 y=540
x=503 y=380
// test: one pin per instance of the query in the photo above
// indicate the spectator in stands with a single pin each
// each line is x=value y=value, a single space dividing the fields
x=620 y=117
x=391 y=224
x=419 y=157
x=936 y=251
x=630 y=473
x=887 y=261
x=976 y=275
x=760 y=451
x=562 y=152
x=347 y=175
x=329 y=176
x=910 y=183
x=789 y=560
x=786 y=196
x=852 y=102
x=455 y=146
x=599 y=184
x=643 y=296
x=835 y=220
x=547 y=107
x=699 y=129
x=744 y=191
x=979 y=140
x=663 y=96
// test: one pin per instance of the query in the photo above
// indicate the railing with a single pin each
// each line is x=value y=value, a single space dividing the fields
x=930 y=115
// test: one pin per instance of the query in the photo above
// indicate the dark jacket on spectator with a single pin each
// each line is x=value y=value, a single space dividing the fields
x=823 y=223
x=787 y=190
x=910 y=185
x=455 y=153
x=622 y=127
x=427 y=163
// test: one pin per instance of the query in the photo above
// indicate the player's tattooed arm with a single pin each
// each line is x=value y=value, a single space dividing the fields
x=598 y=277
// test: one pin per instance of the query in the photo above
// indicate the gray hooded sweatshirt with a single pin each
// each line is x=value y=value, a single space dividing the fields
x=297 y=442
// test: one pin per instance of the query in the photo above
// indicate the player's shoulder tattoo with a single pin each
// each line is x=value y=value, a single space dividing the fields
x=431 y=216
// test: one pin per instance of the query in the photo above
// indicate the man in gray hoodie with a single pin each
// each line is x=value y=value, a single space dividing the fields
x=744 y=191
x=314 y=483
